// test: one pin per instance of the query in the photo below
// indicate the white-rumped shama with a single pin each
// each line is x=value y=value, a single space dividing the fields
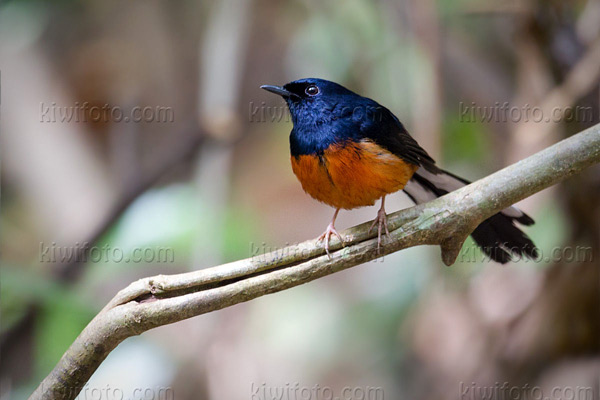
x=349 y=151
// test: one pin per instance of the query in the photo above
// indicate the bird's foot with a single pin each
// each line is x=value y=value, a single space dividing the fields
x=327 y=235
x=381 y=222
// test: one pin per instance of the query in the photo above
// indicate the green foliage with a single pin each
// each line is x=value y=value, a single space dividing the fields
x=465 y=142
x=62 y=314
x=62 y=318
x=239 y=231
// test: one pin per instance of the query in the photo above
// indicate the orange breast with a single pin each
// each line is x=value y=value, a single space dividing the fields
x=352 y=175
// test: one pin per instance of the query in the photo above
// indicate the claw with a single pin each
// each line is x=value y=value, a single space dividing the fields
x=329 y=231
x=325 y=236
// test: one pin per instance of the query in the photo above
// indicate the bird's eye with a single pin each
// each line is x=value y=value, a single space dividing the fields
x=312 y=90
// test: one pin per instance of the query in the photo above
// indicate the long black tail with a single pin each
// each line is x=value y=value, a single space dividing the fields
x=497 y=236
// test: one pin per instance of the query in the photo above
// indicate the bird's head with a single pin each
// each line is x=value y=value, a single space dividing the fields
x=315 y=100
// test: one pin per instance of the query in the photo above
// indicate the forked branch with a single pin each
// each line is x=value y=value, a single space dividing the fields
x=447 y=221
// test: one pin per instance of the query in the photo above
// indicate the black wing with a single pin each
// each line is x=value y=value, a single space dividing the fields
x=385 y=129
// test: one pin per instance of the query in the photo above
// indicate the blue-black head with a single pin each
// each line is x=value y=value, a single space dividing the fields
x=313 y=100
x=323 y=113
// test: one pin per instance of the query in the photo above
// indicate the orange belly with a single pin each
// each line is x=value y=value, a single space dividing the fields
x=352 y=175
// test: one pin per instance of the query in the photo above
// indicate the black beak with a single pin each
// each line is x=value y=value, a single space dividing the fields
x=278 y=90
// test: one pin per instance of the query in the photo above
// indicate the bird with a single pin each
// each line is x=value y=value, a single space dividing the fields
x=349 y=151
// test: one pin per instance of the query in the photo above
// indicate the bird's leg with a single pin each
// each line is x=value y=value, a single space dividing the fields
x=329 y=231
x=381 y=221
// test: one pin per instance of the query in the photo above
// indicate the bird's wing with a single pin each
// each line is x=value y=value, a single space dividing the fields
x=381 y=126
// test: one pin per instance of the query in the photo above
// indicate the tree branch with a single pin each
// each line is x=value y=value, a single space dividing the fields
x=447 y=221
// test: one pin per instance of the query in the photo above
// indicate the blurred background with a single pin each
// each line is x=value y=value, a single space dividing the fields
x=139 y=128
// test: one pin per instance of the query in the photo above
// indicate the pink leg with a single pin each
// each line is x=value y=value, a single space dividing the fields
x=329 y=231
x=381 y=221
